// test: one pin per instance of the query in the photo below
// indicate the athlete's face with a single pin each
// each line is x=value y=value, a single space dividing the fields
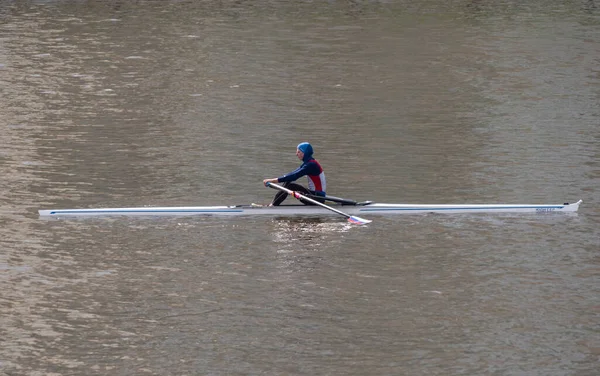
x=299 y=154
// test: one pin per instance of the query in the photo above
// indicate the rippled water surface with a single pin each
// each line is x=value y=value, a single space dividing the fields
x=148 y=103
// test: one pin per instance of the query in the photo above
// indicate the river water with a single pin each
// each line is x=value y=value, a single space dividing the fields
x=148 y=103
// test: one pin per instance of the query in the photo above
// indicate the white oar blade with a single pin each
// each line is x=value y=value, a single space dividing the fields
x=358 y=220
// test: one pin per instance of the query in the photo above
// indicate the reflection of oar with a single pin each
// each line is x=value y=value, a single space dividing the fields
x=351 y=219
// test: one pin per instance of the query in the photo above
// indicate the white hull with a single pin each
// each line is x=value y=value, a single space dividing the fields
x=293 y=210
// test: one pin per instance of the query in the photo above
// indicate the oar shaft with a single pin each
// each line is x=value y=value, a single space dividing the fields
x=299 y=196
x=308 y=199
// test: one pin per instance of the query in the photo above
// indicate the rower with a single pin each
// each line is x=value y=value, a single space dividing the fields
x=309 y=168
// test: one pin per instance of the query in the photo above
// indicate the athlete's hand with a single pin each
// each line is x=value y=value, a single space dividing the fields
x=269 y=181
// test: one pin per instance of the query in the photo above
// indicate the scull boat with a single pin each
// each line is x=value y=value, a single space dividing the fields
x=348 y=206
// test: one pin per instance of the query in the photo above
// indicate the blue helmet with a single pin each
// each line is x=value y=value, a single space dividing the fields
x=307 y=149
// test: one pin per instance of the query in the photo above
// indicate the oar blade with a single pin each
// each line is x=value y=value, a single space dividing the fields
x=358 y=220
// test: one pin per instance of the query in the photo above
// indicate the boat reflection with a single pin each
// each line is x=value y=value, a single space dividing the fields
x=292 y=229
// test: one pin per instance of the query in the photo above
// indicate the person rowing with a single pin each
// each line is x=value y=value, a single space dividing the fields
x=310 y=168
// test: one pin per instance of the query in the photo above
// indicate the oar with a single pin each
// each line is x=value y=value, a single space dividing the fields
x=351 y=219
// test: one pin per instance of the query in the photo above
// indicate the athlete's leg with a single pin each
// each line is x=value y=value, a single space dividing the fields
x=281 y=195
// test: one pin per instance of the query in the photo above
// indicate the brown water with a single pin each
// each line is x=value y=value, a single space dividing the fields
x=122 y=103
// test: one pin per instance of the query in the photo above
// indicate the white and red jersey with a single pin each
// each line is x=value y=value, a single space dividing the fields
x=315 y=174
x=317 y=183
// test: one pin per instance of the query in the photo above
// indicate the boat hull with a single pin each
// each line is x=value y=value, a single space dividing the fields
x=293 y=210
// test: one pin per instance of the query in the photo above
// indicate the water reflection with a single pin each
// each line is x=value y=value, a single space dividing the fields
x=290 y=230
